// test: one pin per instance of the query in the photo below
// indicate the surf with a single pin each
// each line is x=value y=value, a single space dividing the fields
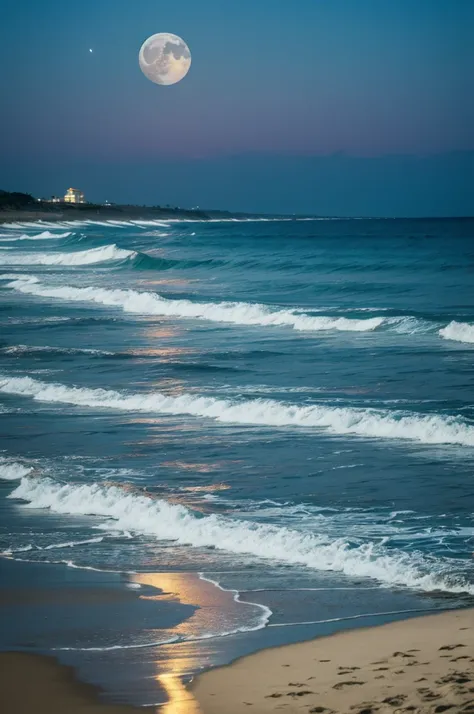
x=241 y=313
x=46 y=235
x=157 y=518
x=357 y=421
x=458 y=332
x=102 y=254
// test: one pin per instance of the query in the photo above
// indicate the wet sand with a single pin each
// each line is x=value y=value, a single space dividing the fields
x=418 y=666
x=34 y=683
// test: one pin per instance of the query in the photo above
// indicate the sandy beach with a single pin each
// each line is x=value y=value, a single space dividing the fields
x=423 y=665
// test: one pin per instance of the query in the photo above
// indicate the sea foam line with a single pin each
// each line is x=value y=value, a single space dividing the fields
x=46 y=235
x=82 y=257
x=147 y=303
x=378 y=423
x=53 y=546
x=160 y=519
x=260 y=624
x=33 y=349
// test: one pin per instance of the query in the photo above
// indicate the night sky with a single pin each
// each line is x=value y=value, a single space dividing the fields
x=341 y=107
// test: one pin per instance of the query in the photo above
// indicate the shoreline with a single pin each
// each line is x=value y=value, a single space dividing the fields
x=103 y=213
x=127 y=213
x=423 y=664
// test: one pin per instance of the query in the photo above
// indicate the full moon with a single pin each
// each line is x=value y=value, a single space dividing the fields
x=165 y=58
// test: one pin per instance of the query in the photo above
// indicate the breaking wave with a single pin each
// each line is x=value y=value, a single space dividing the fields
x=46 y=235
x=12 y=471
x=241 y=313
x=458 y=331
x=173 y=522
x=374 y=423
x=84 y=257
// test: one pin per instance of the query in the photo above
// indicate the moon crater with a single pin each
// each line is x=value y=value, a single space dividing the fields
x=165 y=58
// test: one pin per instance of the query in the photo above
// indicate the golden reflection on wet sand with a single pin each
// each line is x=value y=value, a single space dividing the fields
x=180 y=700
x=189 y=590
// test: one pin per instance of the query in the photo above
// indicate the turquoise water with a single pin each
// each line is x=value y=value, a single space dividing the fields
x=284 y=409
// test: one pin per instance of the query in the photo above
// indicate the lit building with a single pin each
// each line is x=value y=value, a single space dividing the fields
x=73 y=195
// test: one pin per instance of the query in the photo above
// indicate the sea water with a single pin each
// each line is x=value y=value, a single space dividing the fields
x=271 y=419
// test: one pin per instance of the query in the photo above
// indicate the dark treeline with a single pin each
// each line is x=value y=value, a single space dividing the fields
x=15 y=200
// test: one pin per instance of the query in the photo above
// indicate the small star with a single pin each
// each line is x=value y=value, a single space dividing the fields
x=91 y=51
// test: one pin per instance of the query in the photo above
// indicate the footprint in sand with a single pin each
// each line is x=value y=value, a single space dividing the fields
x=301 y=693
x=430 y=696
x=395 y=701
x=349 y=669
x=454 y=678
x=364 y=708
x=340 y=685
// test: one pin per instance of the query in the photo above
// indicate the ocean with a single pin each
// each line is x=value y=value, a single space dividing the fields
x=258 y=430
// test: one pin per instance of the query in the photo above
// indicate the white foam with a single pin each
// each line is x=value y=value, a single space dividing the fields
x=83 y=257
x=151 y=223
x=147 y=303
x=27 y=349
x=53 y=546
x=173 y=522
x=458 y=331
x=74 y=543
x=12 y=471
x=378 y=423
x=124 y=224
x=11 y=551
x=46 y=235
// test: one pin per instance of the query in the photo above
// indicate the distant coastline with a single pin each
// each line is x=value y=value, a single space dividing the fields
x=23 y=207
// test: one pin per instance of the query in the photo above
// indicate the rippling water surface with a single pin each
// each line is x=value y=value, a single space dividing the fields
x=275 y=418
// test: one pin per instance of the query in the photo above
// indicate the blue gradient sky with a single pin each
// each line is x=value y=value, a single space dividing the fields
x=325 y=92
